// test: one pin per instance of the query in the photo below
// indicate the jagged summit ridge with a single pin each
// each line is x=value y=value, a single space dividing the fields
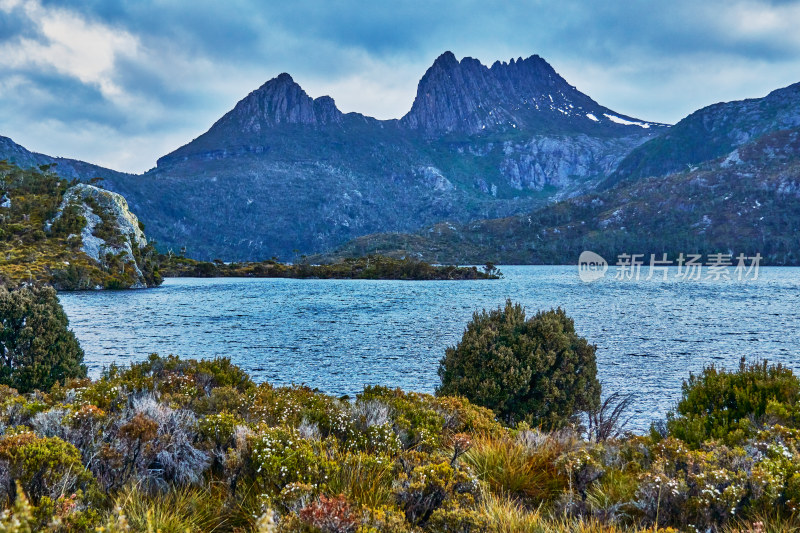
x=452 y=97
x=468 y=97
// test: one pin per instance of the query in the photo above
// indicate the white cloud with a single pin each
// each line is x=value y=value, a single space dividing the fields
x=74 y=47
x=90 y=52
x=754 y=21
x=156 y=83
x=379 y=89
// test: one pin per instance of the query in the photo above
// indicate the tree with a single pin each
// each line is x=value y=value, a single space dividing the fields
x=36 y=348
x=536 y=370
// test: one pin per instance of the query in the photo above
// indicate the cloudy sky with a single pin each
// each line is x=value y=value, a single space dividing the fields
x=120 y=83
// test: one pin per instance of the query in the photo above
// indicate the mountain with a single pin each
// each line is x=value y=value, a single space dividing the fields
x=72 y=235
x=66 y=168
x=712 y=132
x=466 y=97
x=283 y=173
x=736 y=190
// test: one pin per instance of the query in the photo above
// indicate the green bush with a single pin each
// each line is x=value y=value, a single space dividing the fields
x=433 y=486
x=535 y=370
x=730 y=406
x=280 y=457
x=36 y=348
x=46 y=468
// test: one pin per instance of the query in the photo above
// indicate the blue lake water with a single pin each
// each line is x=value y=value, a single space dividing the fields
x=338 y=335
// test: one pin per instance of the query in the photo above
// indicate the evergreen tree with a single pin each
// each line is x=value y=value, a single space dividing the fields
x=36 y=348
x=535 y=370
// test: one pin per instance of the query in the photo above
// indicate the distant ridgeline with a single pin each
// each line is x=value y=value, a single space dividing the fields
x=283 y=171
x=508 y=163
x=71 y=235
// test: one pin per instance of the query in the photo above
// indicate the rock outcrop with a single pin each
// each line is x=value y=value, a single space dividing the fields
x=111 y=228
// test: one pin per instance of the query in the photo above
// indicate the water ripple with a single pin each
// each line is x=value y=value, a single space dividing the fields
x=341 y=335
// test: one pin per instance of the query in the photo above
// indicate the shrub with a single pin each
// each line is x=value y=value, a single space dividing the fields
x=730 y=406
x=46 y=467
x=699 y=489
x=291 y=406
x=330 y=515
x=384 y=519
x=414 y=417
x=457 y=520
x=172 y=450
x=224 y=399
x=218 y=430
x=535 y=370
x=280 y=457
x=461 y=416
x=36 y=348
x=433 y=486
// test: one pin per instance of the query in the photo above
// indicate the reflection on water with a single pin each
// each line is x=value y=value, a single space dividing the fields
x=340 y=335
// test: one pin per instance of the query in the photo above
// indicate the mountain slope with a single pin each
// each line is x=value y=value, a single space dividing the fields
x=712 y=132
x=283 y=171
x=66 y=168
x=745 y=202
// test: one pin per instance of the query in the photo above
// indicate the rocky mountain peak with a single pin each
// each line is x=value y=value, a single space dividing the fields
x=468 y=97
x=280 y=101
x=446 y=60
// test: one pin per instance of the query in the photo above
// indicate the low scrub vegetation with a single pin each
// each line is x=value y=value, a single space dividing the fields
x=368 y=267
x=177 y=445
x=171 y=445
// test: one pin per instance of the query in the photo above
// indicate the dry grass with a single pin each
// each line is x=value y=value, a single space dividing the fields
x=175 y=510
x=517 y=471
x=509 y=516
x=766 y=524
x=363 y=480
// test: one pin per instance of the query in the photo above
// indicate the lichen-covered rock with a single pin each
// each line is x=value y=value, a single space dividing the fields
x=111 y=229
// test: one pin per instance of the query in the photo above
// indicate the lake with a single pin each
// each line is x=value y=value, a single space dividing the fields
x=339 y=335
